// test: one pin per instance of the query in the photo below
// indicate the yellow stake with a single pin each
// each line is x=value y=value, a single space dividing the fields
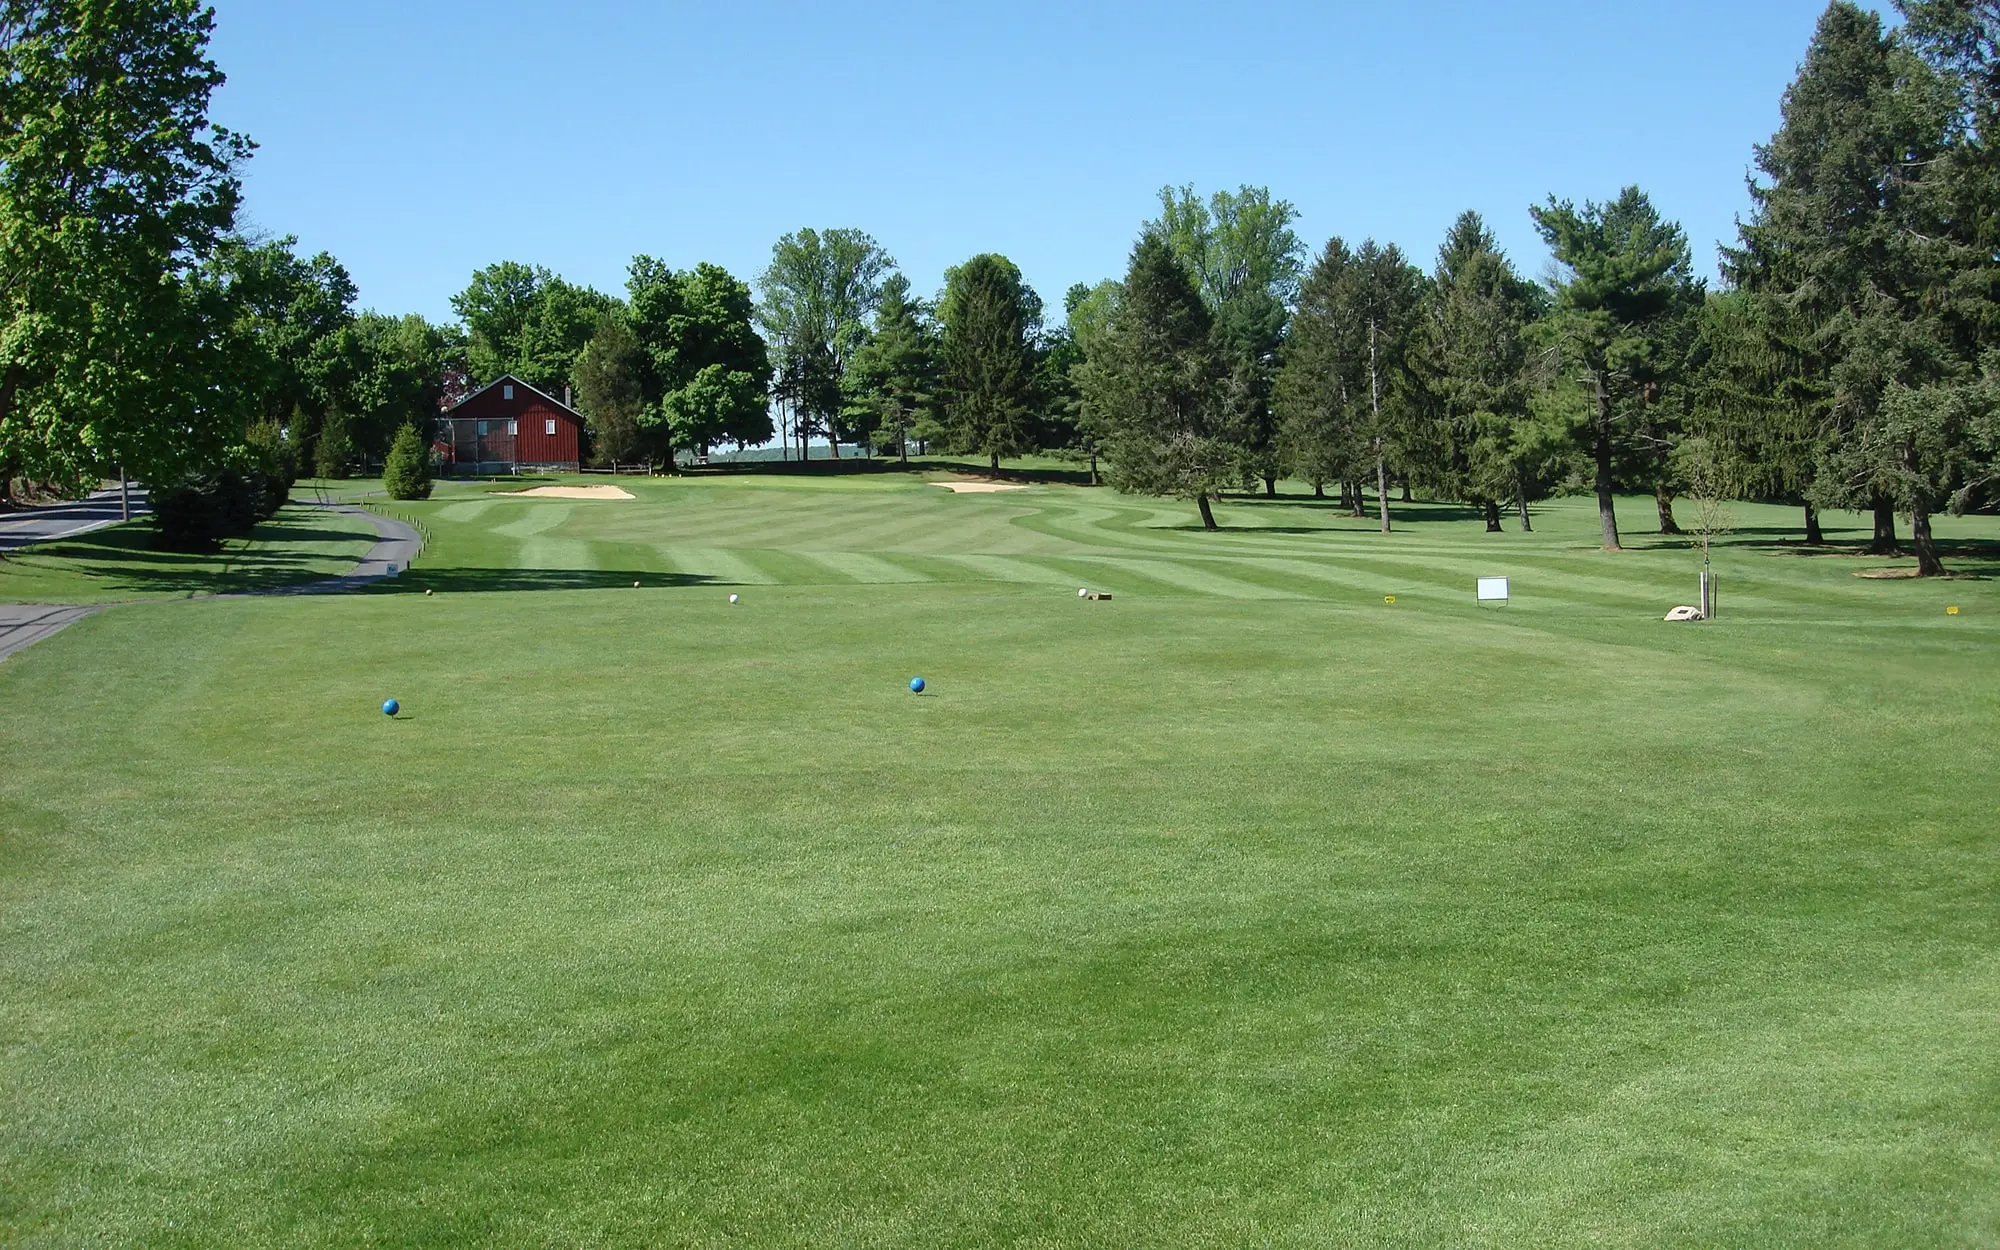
x=1392 y=599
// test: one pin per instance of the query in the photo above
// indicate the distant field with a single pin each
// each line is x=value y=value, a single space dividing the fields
x=1244 y=909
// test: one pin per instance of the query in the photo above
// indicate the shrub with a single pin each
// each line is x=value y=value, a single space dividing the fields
x=407 y=475
x=277 y=459
x=197 y=511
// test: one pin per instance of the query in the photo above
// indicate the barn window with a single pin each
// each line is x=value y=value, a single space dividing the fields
x=513 y=427
x=549 y=426
x=507 y=392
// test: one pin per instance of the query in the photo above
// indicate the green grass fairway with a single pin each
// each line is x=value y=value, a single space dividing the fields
x=1244 y=909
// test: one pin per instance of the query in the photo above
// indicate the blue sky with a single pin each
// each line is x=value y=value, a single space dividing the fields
x=420 y=139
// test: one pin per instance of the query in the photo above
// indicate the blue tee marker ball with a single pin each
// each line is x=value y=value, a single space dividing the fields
x=390 y=707
x=916 y=685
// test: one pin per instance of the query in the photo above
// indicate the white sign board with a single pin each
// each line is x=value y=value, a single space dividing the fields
x=1492 y=588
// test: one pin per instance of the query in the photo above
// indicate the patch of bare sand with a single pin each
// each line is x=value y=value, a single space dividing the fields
x=978 y=488
x=570 y=492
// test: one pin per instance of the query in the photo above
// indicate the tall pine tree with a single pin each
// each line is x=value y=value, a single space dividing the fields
x=1470 y=360
x=1154 y=381
x=1621 y=304
x=988 y=318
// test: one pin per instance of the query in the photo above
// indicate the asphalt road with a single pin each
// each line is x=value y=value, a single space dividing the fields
x=65 y=520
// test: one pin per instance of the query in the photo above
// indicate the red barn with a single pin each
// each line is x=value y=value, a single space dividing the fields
x=510 y=427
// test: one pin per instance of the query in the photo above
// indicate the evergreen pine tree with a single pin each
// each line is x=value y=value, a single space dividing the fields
x=1840 y=265
x=1621 y=305
x=1319 y=386
x=611 y=390
x=892 y=379
x=988 y=317
x=1470 y=364
x=407 y=473
x=1154 y=383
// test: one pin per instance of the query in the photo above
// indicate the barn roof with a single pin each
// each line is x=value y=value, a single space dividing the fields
x=508 y=377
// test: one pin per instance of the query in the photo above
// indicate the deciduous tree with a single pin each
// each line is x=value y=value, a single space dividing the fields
x=115 y=189
x=817 y=296
x=709 y=373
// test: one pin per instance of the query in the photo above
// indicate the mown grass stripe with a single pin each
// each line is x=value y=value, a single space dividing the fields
x=717 y=564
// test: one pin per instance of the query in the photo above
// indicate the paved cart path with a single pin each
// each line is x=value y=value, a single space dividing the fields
x=24 y=624
x=396 y=544
x=66 y=520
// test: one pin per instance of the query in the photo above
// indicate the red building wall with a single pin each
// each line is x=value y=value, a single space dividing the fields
x=532 y=415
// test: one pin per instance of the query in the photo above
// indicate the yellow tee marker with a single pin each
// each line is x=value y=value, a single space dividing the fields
x=1952 y=610
x=1392 y=599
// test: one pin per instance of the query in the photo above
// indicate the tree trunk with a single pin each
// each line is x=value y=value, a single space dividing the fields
x=1607 y=509
x=1270 y=486
x=1381 y=485
x=903 y=451
x=1360 y=501
x=1093 y=466
x=1319 y=490
x=1521 y=497
x=832 y=443
x=1928 y=564
x=1493 y=516
x=1406 y=491
x=1814 y=537
x=993 y=460
x=1207 y=516
x=1885 y=530
x=1663 y=499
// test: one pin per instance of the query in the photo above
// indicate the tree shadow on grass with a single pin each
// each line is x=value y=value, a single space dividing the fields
x=123 y=559
x=852 y=468
x=1966 y=558
x=447 y=581
x=1416 y=512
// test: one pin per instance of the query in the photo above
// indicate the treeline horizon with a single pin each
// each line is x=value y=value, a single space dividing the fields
x=1846 y=358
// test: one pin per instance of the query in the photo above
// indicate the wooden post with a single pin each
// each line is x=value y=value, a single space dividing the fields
x=124 y=496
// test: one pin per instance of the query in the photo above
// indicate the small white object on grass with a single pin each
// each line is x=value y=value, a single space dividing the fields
x=1684 y=613
x=732 y=598
x=1492 y=588
x=1082 y=593
x=427 y=592
x=635 y=583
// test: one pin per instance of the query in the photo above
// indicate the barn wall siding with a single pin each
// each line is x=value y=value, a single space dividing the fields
x=533 y=444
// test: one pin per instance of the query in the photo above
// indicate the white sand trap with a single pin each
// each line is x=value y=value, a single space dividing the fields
x=571 y=492
x=977 y=488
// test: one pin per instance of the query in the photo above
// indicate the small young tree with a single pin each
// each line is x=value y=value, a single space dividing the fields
x=407 y=475
x=1710 y=478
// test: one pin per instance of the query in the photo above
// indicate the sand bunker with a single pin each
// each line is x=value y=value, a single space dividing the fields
x=977 y=488
x=571 y=492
